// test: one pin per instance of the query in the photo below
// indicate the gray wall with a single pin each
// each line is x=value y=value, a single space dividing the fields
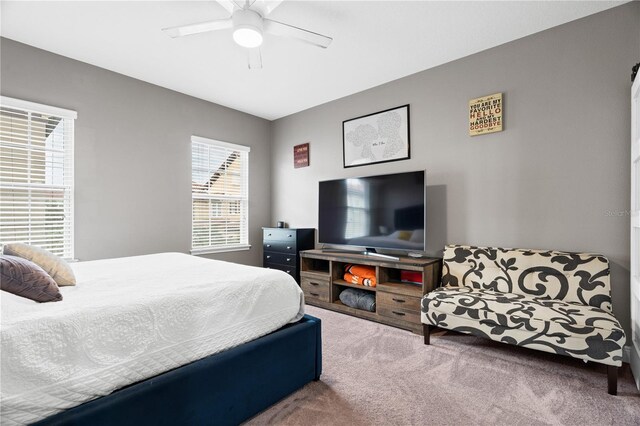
x=133 y=154
x=557 y=177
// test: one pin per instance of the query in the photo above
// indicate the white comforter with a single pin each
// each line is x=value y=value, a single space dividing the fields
x=129 y=319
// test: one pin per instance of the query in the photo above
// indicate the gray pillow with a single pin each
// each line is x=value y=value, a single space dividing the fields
x=24 y=278
x=358 y=299
x=53 y=265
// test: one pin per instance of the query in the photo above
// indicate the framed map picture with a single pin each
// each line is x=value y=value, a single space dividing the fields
x=376 y=138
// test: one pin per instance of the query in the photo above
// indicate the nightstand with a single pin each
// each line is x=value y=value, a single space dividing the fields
x=281 y=247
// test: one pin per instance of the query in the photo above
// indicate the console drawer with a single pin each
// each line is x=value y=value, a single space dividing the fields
x=399 y=314
x=400 y=301
x=315 y=288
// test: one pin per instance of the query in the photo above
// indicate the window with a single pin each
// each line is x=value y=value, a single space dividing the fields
x=220 y=196
x=36 y=175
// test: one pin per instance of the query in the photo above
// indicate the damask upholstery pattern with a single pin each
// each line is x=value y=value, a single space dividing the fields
x=573 y=277
x=551 y=301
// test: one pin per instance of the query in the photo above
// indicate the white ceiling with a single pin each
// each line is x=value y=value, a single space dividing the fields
x=374 y=42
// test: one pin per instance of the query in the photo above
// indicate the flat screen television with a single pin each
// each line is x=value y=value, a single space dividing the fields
x=374 y=212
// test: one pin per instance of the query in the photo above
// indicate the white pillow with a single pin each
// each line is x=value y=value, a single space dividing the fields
x=53 y=265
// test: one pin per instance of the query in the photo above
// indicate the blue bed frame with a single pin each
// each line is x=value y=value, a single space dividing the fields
x=223 y=389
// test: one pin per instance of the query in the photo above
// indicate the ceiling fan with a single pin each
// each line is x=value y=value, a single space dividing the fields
x=249 y=24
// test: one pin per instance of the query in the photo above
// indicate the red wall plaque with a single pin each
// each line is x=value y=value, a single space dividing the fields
x=301 y=155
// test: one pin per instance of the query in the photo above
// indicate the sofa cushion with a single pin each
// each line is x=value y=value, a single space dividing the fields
x=571 y=277
x=554 y=326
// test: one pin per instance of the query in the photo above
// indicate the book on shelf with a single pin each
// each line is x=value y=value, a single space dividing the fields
x=411 y=277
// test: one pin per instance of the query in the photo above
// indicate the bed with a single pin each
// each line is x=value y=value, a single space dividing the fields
x=170 y=337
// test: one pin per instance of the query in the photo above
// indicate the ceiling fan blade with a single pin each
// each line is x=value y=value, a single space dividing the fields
x=255 y=58
x=229 y=5
x=202 y=27
x=265 y=6
x=286 y=30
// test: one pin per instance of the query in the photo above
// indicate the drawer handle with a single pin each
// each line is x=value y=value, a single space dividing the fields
x=288 y=247
x=397 y=300
x=268 y=235
x=398 y=313
x=290 y=236
x=314 y=294
x=268 y=257
x=289 y=272
x=288 y=259
x=312 y=283
x=268 y=245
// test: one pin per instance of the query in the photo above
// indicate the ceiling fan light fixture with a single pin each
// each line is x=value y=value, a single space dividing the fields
x=247 y=37
x=247 y=28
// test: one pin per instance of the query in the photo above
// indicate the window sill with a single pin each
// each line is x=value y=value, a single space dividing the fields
x=211 y=250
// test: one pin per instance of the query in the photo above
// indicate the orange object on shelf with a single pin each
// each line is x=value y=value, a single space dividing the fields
x=359 y=274
x=354 y=279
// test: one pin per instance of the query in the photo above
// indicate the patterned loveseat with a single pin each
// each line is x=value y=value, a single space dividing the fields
x=552 y=301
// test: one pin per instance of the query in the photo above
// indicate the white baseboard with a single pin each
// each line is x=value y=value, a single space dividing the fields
x=626 y=354
x=634 y=361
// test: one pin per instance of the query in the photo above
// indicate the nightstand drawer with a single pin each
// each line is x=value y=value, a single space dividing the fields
x=278 y=234
x=400 y=301
x=270 y=257
x=281 y=246
x=291 y=270
x=315 y=289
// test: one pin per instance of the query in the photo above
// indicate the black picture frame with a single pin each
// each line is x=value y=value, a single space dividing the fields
x=365 y=127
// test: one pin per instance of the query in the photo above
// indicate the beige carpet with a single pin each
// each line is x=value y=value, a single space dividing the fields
x=379 y=375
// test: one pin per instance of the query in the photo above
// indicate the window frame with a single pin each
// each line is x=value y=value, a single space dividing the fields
x=245 y=176
x=68 y=152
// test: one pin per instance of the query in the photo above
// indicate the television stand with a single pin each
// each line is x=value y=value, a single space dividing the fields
x=368 y=252
x=372 y=252
x=397 y=302
x=338 y=251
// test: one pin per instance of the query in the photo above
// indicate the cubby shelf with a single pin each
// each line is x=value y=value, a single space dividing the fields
x=348 y=284
x=414 y=290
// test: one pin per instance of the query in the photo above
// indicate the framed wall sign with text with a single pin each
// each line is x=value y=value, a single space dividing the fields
x=301 y=155
x=485 y=115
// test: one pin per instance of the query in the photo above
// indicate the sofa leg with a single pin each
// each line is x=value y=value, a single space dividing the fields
x=426 y=330
x=612 y=379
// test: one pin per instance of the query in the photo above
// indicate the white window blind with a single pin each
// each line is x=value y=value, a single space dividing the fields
x=220 y=196
x=36 y=175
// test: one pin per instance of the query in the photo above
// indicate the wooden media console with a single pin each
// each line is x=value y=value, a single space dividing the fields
x=397 y=302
